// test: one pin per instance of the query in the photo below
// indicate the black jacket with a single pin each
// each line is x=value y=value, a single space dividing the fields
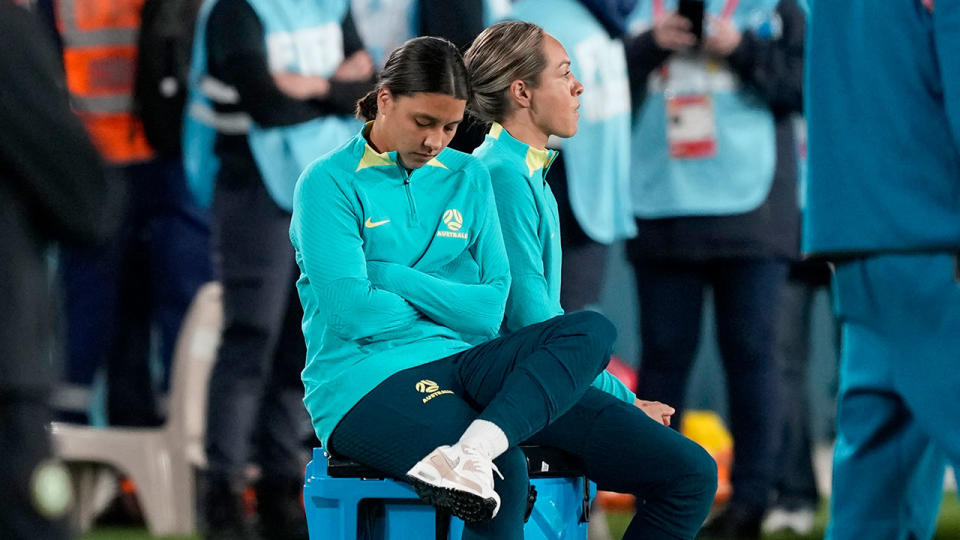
x=52 y=188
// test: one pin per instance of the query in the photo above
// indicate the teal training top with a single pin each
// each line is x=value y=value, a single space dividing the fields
x=397 y=268
x=531 y=234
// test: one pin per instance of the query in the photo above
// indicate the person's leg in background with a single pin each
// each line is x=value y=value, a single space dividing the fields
x=626 y=451
x=280 y=434
x=671 y=301
x=89 y=295
x=167 y=259
x=584 y=260
x=37 y=493
x=795 y=484
x=90 y=280
x=900 y=317
x=255 y=256
x=132 y=398
x=747 y=295
x=179 y=258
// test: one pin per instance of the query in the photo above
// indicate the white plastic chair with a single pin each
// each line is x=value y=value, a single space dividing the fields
x=161 y=461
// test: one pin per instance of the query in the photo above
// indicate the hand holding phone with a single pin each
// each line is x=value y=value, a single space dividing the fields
x=693 y=11
x=672 y=32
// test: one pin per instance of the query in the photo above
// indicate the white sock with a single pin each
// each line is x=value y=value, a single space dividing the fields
x=486 y=437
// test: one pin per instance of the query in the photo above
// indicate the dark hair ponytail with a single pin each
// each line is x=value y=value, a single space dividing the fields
x=423 y=64
x=367 y=106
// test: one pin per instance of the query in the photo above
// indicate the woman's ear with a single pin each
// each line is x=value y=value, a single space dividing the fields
x=385 y=101
x=519 y=93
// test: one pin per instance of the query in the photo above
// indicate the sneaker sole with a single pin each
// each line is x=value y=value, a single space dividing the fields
x=466 y=506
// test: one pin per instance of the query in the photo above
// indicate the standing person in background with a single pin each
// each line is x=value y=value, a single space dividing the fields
x=591 y=177
x=883 y=203
x=714 y=192
x=139 y=285
x=52 y=189
x=272 y=85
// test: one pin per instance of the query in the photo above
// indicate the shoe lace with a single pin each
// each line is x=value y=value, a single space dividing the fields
x=471 y=451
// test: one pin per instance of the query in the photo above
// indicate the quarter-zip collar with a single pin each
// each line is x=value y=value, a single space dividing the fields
x=537 y=160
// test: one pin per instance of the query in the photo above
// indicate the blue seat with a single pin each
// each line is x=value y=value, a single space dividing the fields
x=347 y=501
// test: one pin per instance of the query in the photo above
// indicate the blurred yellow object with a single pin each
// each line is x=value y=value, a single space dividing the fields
x=706 y=429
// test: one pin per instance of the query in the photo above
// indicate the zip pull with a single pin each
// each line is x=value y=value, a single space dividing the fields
x=411 y=203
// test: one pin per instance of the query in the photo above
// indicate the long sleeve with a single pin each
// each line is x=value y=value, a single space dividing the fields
x=529 y=301
x=238 y=57
x=612 y=385
x=45 y=152
x=325 y=229
x=473 y=309
x=774 y=67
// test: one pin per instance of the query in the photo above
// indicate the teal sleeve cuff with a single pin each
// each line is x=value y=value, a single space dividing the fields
x=613 y=386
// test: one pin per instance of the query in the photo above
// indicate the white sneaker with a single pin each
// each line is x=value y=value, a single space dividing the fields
x=457 y=479
x=798 y=521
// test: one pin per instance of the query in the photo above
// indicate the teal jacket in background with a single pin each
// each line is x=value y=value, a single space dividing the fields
x=883 y=117
x=397 y=269
x=531 y=234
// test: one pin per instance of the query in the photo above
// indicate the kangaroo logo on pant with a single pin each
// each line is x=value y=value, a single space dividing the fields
x=427 y=386
x=432 y=389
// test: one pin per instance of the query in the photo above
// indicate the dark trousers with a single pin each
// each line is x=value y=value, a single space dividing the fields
x=254 y=403
x=534 y=384
x=35 y=490
x=140 y=285
x=746 y=298
x=795 y=482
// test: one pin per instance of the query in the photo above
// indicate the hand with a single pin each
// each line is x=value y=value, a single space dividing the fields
x=359 y=67
x=723 y=39
x=656 y=410
x=301 y=87
x=672 y=32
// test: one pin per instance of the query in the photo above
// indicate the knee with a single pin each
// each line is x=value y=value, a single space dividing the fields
x=601 y=332
x=696 y=480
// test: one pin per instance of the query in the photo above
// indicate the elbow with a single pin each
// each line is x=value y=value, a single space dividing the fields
x=484 y=322
x=345 y=328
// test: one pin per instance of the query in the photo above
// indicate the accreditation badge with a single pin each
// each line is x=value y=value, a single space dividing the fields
x=691 y=126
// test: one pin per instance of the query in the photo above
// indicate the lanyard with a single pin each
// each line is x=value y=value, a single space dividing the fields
x=728 y=8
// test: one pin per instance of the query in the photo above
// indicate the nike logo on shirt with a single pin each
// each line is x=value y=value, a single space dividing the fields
x=371 y=224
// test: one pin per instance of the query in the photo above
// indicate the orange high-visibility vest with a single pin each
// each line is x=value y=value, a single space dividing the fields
x=99 y=56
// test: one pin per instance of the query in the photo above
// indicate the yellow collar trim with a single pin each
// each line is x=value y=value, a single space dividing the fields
x=372 y=158
x=539 y=159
